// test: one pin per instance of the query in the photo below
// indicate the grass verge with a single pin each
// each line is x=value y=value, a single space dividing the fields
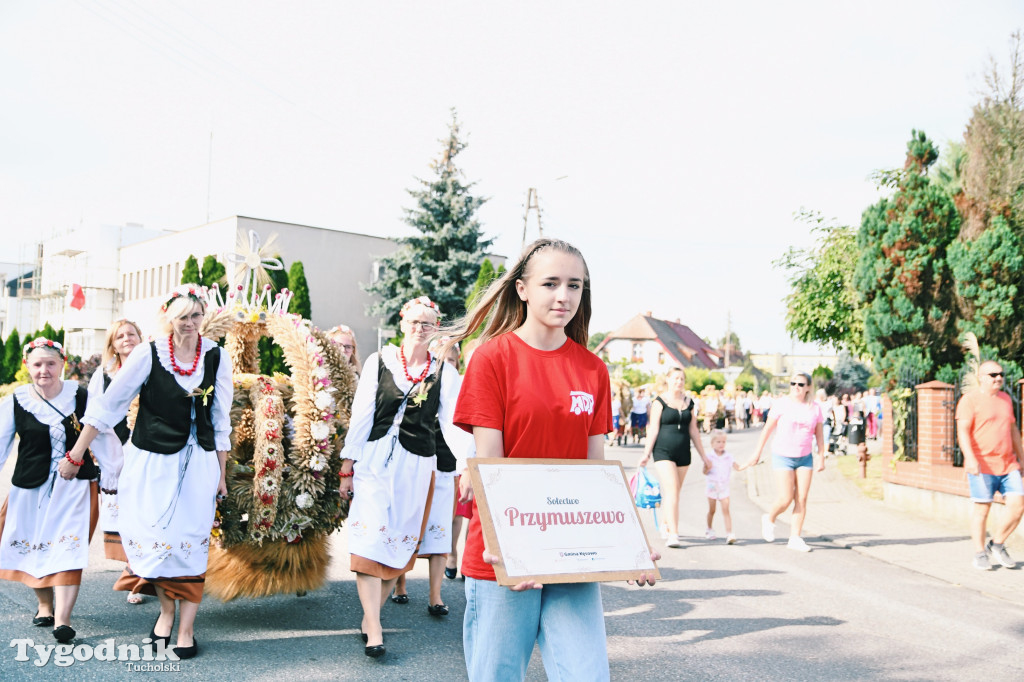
x=870 y=486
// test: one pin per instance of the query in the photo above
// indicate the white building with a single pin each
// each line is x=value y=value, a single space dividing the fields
x=336 y=264
x=130 y=271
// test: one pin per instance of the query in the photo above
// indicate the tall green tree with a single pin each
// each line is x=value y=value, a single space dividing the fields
x=213 y=272
x=297 y=284
x=48 y=332
x=11 y=357
x=190 y=273
x=993 y=180
x=902 y=276
x=989 y=275
x=823 y=305
x=443 y=259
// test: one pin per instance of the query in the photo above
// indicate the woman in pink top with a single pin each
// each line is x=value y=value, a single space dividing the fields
x=798 y=422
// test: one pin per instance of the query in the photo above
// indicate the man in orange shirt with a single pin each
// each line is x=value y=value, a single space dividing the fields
x=991 y=443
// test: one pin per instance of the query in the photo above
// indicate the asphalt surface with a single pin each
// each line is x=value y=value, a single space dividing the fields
x=883 y=595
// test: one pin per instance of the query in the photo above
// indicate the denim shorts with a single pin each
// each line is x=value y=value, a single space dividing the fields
x=984 y=486
x=780 y=462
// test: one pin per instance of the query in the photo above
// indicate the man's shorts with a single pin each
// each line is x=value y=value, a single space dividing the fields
x=638 y=420
x=984 y=486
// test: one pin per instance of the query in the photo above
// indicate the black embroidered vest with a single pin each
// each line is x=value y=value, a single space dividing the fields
x=417 y=432
x=35 y=450
x=165 y=409
x=121 y=429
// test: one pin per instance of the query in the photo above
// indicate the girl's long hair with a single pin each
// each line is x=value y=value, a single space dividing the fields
x=499 y=309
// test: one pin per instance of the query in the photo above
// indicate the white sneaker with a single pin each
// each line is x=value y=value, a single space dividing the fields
x=730 y=539
x=710 y=534
x=797 y=543
x=767 y=529
x=673 y=541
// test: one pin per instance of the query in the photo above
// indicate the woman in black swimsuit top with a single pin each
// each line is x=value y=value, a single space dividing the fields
x=670 y=433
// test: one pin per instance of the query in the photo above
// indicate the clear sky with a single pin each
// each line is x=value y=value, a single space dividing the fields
x=686 y=134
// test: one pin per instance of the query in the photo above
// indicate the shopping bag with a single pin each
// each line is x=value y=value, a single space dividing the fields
x=646 y=491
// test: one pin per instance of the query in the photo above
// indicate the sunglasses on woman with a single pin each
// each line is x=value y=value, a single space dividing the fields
x=797 y=383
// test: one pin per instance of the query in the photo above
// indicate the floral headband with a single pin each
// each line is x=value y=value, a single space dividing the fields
x=189 y=291
x=339 y=329
x=42 y=343
x=423 y=301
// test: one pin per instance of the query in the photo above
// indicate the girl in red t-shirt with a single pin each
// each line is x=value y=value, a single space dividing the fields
x=525 y=394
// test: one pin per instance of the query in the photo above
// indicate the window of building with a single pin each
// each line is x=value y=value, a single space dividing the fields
x=375 y=269
x=638 y=353
x=661 y=358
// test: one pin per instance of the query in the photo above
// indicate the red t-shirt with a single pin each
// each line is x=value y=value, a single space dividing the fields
x=545 y=403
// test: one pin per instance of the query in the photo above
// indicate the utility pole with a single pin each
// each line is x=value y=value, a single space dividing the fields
x=532 y=204
x=728 y=334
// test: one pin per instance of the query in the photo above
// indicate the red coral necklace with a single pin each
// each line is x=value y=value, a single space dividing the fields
x=195 y=363
x=405 y=367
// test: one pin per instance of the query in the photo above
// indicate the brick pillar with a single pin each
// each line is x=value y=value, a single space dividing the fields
x=934 y=426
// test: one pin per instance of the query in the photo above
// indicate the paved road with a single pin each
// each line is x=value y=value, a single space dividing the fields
x=750 y=610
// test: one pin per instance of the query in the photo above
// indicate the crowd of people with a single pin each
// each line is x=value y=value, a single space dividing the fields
x=415 y=420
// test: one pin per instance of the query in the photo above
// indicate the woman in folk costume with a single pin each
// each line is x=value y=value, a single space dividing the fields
x=122 y=337
x=174 y=464
x=438 y=538
x=51 y=511
x=389 y=459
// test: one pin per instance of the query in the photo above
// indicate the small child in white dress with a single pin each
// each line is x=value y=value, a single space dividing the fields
x=722 y=466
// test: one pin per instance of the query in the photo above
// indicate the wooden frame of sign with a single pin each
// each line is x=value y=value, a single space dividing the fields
x=560 y=520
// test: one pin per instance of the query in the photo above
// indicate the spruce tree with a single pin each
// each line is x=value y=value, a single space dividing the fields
x=11 y=357
x=443 y=260
x=190 y=273
x=301 y=305
x=902 y=275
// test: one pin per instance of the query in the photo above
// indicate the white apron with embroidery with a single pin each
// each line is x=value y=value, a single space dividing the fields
x=437 y=538
x=47 y=528
x=166 y=503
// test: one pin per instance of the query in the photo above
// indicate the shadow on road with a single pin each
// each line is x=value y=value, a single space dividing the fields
x=876 y=541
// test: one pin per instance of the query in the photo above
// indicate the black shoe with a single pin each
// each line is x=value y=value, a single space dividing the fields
x=184 y=652
x=374 y=651
x=64 y=633
x=399 y=599
x=437 y=610
x=41 y=621
x=154 y=638
x=450 y=573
